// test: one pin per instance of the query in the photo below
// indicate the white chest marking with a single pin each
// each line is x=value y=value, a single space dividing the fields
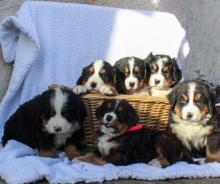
x=104 y=145
x=191 y=133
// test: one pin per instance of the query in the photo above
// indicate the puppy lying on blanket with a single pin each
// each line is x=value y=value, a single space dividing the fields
x=97 y=77
x=122 y=141
x=193 y=119
x=50 y=121
x=165 y=74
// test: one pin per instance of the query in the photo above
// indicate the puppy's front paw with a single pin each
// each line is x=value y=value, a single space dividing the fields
x=155 y=162
x=79 y=89
x=108 y=90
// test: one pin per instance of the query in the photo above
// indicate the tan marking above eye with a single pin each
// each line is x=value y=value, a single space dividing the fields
x=120 y=108
x=91 y=69
x=197 y=97
x=166 y=69
x=136 y=68
x=185 y=97
x=126 y=70
x=103 y=71
x=154 y=66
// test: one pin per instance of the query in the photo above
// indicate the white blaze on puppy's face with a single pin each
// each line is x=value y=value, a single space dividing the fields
x=58 y=123
x=131 y=82
x=95 y=81
x=157 y=79
x=191 y=111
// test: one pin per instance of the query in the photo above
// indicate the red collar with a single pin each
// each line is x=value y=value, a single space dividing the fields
x=135 y=127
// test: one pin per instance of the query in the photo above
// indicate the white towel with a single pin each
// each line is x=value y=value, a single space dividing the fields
x=51 y=43
x=24 y=166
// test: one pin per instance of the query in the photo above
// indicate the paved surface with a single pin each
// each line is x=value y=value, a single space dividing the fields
x=179 y=181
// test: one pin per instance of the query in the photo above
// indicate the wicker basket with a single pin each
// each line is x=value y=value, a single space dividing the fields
x=153 y=112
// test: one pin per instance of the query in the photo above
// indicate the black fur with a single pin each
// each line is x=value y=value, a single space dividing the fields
x=139 y=146
x=107 y=77
x=121 y=75
x=26 y=124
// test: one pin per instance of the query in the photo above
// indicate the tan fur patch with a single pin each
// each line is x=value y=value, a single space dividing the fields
x=154 y=67
x=141 y=83
x=103 y=71
x=92 y=158
x=197 y=97
x=91 y=69
x=204 y=112
x=163 y=160
x=178 y=111
x=136 y=69
x=51 y=153
x=71 y=151
x=212 y=157
x=126 y=69
x=169 y=82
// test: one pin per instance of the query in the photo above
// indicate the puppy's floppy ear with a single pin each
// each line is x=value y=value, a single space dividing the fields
x=177 y=73
x=212 y=101
x=132 y=116
x=149 y=58
x=81 y=112
x=83 y=74
x=172 y=97
x=147 y=71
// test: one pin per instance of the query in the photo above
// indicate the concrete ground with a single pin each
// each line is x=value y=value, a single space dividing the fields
x=178 y=7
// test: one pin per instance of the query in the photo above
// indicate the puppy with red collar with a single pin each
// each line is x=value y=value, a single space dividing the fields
x=96 y=78
x=193 y=119
x=165 y=74
x=122 y=141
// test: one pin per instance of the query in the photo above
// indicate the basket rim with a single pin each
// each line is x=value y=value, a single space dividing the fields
x=136 y=97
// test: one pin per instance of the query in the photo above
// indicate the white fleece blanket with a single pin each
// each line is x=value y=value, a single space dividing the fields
x=51 y=43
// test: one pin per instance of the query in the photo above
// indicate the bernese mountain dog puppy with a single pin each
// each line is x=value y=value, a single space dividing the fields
x=193 y=119
x=50 y=121
x=97 y=77
x=165 y=74
x=122 y=141
x=131 y=75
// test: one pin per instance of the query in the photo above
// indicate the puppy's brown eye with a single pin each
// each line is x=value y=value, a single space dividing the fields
x=183 y=99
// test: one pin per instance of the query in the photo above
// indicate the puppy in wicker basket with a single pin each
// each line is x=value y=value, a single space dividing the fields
x=96 y=78
x=193 y=119
x=165 y=74
x=131 y=75
x=122 y=141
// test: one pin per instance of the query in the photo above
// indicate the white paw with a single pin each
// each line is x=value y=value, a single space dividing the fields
x=155 y=162
x=79 y=89
x=107 y=90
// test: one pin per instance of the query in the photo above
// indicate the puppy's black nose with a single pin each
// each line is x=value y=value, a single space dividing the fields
x=157 y=81
x=131 y=84
x=108 y=117
x=93 y=84
x=57 y=129
x=189 y=115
